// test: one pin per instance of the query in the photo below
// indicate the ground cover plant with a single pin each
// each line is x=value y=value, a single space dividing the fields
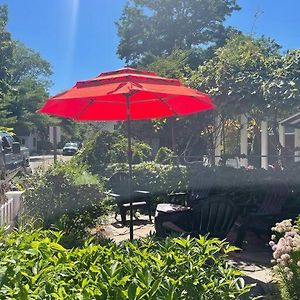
x=34 y=265
x=286 y=253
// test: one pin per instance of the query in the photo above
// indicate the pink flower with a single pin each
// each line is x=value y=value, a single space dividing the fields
x=272 y=243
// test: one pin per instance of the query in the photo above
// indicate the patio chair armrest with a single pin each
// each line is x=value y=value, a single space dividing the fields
x=173 y=227
x=145 y=193
x=113 y=195
x=179 y=194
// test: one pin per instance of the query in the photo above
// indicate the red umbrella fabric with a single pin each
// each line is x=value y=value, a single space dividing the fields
x=127 y=94
x=104 y=98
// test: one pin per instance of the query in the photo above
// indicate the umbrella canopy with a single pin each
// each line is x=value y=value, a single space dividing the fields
x=127 y=94
x=105 y=98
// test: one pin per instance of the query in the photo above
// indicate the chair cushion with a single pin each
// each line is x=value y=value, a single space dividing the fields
x=171 y=208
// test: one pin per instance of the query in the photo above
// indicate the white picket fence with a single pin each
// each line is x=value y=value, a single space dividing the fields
x=10 y=209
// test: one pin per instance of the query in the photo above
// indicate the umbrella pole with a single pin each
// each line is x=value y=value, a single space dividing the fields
x=129 y=163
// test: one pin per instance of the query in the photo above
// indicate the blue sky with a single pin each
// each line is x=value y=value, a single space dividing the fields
x=79 y=37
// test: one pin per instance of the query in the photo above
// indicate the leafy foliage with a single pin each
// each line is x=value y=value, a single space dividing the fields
x=30 y=81
x=28 y=64
x=175 y=65
x=34 y=265
x=250 y=76
x=66 y=197
x=24 y=83
x=158 y=179
x=233 y=76
x=140 y=151
x=149 y=27
x=164 y=156
x=106 y=147
x=6 y=52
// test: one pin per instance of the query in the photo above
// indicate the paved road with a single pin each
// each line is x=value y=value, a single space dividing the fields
x=44 y=161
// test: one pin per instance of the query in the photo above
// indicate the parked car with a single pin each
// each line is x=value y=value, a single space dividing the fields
x=13 y=157
x=14 y=160
x=70 y=148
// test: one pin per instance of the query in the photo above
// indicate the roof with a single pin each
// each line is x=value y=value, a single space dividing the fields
x=292 y=121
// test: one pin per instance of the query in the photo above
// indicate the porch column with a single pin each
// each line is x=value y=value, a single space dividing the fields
x=244 y=140
x=281 y=130
x=264 y=145
x=297 y=144
x=217 y=140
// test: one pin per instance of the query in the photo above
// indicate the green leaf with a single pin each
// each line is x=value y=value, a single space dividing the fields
x=132 y=291
x=84 y=283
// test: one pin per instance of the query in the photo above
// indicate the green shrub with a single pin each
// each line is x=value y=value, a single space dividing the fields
x=95 y=152
x=156 y=178
x=65 y=196
x=110 y=147
x=140 y=151
x=164 y=156
x=286 y=246
x=34 y=265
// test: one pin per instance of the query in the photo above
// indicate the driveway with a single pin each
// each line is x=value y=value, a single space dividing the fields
x=44 y=161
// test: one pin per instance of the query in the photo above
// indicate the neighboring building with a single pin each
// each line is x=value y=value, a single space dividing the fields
x=29 y=139
x=293 y=123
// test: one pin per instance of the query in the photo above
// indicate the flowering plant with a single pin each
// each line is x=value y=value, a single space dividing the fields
x=285 y=244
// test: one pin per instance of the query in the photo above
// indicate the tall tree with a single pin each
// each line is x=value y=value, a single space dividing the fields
x=29 y=81
x=28 y=64
x=252 y=76
x=236 y=74
x=6 y=52
x=157 y=27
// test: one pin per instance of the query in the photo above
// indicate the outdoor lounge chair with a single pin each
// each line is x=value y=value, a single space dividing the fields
x=214 y=216
x=200 y=187
x=118 y=183
x=260 y=218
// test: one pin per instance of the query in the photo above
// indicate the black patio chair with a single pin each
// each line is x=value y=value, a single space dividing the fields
x=200 y=185
x=181 y=203
x=214 y=217
x=119 y=184
x=259 y=218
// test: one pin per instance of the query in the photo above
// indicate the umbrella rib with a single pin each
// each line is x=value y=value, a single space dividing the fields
x=202 y=100
x=166 y=103
x=94 y=100
x=108 y=101
x=84 y=109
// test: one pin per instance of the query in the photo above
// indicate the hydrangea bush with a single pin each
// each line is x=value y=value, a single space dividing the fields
x=285 y=244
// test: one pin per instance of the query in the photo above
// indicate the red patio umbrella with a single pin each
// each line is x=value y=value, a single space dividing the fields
x=127 y=94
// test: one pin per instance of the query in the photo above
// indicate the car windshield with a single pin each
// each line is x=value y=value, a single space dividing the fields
x=71 y=145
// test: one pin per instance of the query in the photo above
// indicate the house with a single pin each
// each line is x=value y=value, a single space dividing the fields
x=29 y=139
x=292 y=123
